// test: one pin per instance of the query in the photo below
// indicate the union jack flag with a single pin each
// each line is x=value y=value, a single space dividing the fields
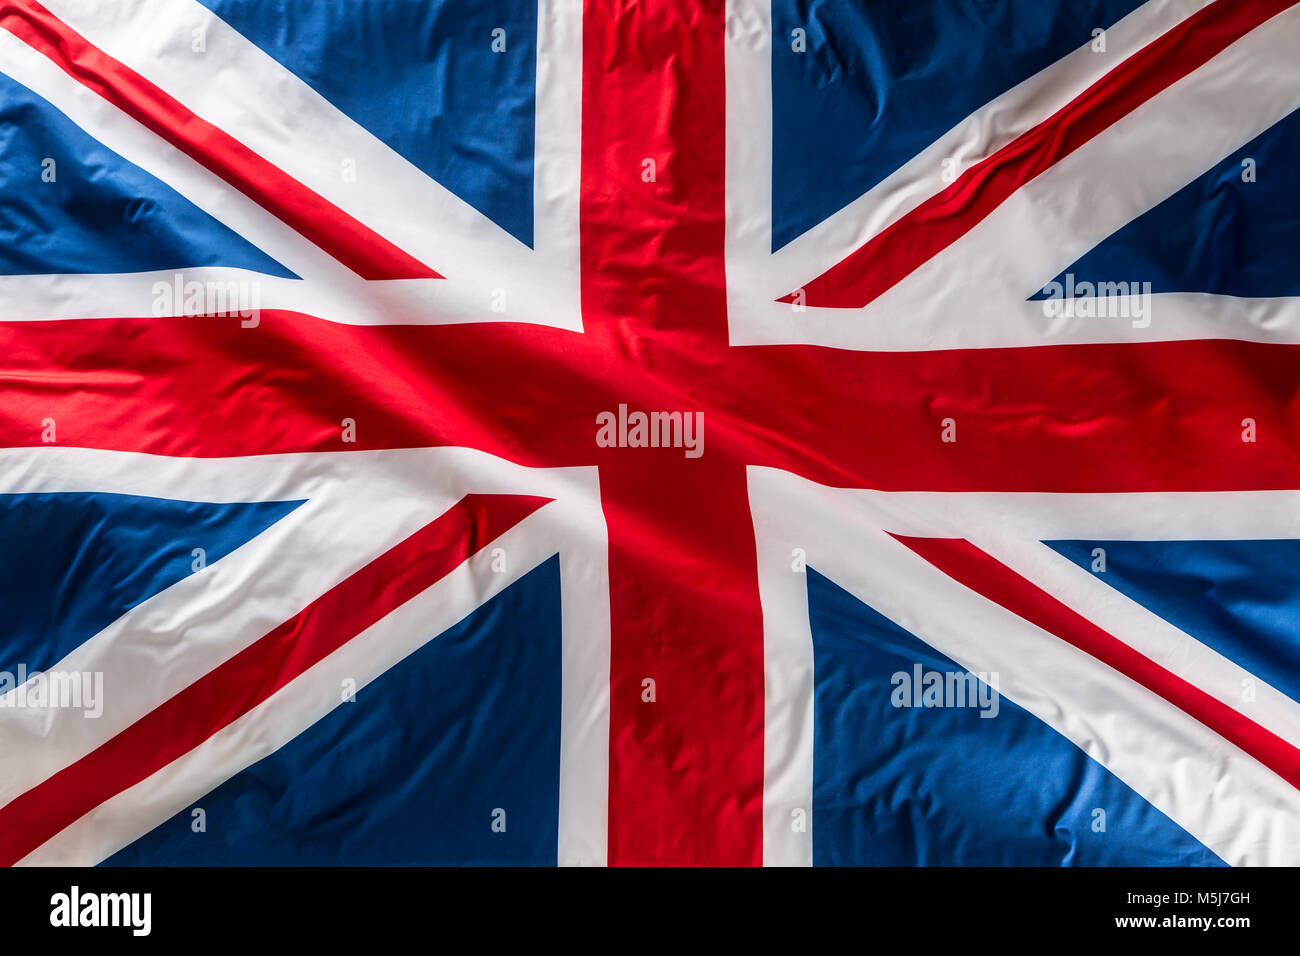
x=684 y=432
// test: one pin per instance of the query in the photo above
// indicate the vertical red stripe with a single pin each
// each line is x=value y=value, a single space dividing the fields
x=686 y=769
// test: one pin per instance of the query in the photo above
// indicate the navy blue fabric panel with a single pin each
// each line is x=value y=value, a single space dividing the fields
x=412 y=771
x=1242 y=598
x=421 y=75
x=945 y=785
x=71 y=563
x=880 y=80
x=1230 y=231
x=99 y=213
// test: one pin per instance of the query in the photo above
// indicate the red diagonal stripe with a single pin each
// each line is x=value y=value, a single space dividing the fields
x=941 y=220
x=985 y=575
x=231 y=690
x=362 y=250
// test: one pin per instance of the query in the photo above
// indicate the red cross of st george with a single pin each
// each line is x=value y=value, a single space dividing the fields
x=686 y=771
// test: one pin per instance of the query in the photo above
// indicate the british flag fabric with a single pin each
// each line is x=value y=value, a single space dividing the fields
x=671 y=432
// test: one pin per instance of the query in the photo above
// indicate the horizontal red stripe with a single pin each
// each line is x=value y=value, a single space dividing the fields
x=1160 y=416
x=941 y=220
x=985 y=575
x=231 y=690
x=358 y=247
x=205 y=387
